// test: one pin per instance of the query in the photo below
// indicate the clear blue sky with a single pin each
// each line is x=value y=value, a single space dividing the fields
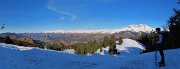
x=46 y=15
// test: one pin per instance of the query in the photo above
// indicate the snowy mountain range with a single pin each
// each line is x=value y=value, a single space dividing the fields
x=133 y=28
x=134 y=31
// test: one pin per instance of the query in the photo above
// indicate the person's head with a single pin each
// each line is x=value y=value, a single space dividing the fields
x=158 y=30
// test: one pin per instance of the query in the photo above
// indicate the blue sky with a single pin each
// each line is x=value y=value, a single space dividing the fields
x=48 y=15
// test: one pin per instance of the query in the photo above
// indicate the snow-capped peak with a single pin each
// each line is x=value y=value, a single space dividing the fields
x=140 y=25
x=138 y=28
x=134 y=28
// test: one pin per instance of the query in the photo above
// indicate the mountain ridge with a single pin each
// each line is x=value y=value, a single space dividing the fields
x=131 y=31
x=133 y=28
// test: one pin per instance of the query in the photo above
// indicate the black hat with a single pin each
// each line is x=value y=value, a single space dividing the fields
x=158 y=29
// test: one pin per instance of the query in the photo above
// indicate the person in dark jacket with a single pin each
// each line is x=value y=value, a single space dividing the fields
x=160 y=47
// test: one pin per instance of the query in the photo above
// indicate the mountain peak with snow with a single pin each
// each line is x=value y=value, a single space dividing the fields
x=138 y=28
x=133 y=28
x=140 y=25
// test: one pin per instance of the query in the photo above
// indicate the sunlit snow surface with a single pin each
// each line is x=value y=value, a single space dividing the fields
x=128 y=47
x=15 y=57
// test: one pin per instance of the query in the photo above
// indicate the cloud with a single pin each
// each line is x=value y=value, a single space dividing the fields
x=68 y=8
x=56 y=9
x=62 y=18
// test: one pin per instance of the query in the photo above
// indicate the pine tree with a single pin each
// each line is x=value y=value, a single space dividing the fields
x=106 y=41
x=112 y=49
x=174 y=27
x=8 y=40
x=101 y=50
x=148 y=41
x=120 y=40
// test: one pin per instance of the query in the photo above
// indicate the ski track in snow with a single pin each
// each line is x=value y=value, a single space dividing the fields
x=16 y=57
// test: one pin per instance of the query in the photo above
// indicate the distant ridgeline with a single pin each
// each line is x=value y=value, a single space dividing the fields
x=74 y=37
x=131 y=31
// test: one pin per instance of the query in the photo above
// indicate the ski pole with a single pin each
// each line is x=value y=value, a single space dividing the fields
x=156 y=54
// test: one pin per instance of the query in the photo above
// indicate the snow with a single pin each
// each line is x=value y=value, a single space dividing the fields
x=130 y=47
x=15 y=57
x=70 y=51
x=104 y=51
x=16 y=47
x=138 y=28
x=133 y=28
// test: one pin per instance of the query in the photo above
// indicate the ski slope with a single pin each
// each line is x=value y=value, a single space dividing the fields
x=18 y=57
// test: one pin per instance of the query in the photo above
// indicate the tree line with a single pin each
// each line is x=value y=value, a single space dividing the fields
x=92 y=46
